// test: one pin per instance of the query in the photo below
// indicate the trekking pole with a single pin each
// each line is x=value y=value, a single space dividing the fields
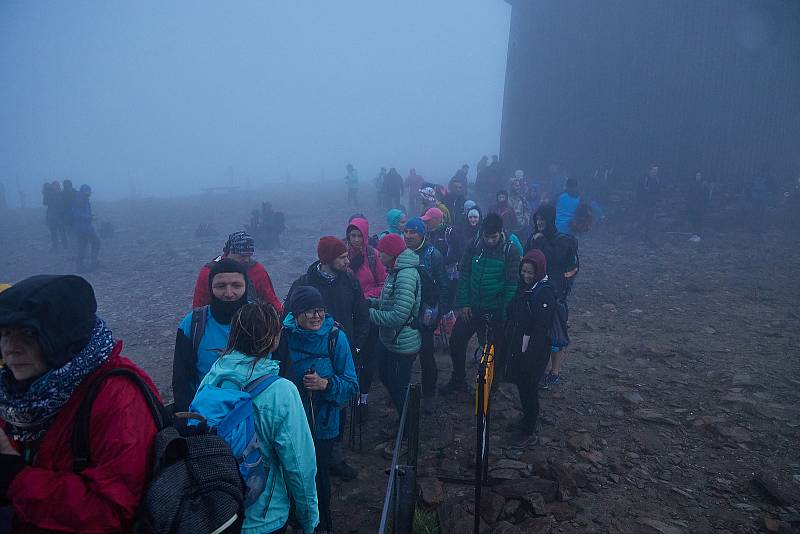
x=479 y=419
x=310 y=371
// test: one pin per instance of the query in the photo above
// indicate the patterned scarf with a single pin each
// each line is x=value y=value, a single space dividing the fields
x=30 y=412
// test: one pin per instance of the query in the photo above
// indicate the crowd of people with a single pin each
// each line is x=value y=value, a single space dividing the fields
x=69 y=218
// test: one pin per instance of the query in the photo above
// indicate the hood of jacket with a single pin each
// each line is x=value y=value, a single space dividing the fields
x=548 y=213
x=407 y=258
x=393 y=217
x=240 y=368
x=537 y=258
x=363 y=226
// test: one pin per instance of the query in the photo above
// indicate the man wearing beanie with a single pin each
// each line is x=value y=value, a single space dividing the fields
x=486 y=285
x=203 y=333
x=344 y=301
x=431 y=260
x=394 y=312
x=317 y=358
x=240 y=247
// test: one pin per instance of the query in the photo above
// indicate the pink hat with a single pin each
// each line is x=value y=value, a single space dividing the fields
x=392 y=244
x=433 y=214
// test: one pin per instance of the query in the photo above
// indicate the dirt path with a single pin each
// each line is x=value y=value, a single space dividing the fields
x=681 y=383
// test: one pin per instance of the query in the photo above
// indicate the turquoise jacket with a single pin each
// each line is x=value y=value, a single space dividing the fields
x=308 y=349
x=286 y=445
x=399 y=306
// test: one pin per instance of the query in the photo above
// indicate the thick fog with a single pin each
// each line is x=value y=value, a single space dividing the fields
x=168 y=97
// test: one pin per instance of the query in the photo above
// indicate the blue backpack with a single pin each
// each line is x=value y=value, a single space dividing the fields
x=230 y=413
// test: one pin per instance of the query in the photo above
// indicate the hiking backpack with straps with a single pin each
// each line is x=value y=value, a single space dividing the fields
x=195 y=483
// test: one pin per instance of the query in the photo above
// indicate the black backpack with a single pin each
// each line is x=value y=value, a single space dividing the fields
x=195 y=484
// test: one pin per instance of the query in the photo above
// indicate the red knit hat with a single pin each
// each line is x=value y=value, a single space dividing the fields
x=329 y=248
x=392 y=244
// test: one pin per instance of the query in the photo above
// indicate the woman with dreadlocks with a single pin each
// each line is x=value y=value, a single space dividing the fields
x=287 y=448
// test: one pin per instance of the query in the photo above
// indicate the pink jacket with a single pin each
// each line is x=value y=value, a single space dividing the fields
x=371 y=278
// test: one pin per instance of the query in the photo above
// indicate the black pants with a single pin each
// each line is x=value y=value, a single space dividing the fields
x=323 y=449
x=87 y=237
x=395 y=370
x=463 y=332
x=526 y=371
x=369 y=356
x=427 y=363
x=57 y=233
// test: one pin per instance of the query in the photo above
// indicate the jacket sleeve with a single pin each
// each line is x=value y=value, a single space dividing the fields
x=184 y=372
x=464 y=274
x=264 y=288
x=201 y=294
x=104 y=497
x=511 y=275
x=344 y=384
x=294 y=446
x=360 y=316
x=404 y=300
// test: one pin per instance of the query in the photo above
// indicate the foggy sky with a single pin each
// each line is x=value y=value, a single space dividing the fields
x=178 y=95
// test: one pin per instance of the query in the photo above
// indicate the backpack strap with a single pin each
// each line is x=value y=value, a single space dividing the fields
x=258 y=385
x=198 y=327
x=81 y=432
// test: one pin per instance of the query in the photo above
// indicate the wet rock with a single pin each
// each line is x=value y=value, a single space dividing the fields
x=512 y=510
x=660 y=526
x=507 y=463
x=537 y=525
x=536 y=504
x=520 y=489
x=431 y=490
x=654 y=416
x=504 y=527
x=561 y=511
x=567 y=486
x=492 y=506
x=580 y=441
x=505 y=474
x=595 y=457
x=733 y=432
x=633 y=397
x=780 y=489
x=455 y=516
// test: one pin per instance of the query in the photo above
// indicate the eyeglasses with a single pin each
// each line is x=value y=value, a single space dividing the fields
x=316 y=312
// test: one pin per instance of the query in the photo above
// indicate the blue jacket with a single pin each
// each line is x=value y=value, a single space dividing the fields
x=188 y=368
x=308 y=349
x=82 y=215
x=566 y=207
x=286 y=445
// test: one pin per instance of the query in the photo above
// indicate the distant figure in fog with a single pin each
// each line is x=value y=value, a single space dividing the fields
x=698 y=201
x=379 y=187
x=273 y=224
x=648 y=194
x=392 y=189
x=68 y=197
x=351 y=180
x=462 y=176
x=52 y=198
x=567 y=207
x=413 y=184
x=240 y=247
x=83 y=226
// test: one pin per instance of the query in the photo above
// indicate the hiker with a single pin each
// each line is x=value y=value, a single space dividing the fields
x=317 y=358
x=395 y=220
x=463 y=235
x=392 y=188
x=344 y=301
x=371 y=273
x=273 y=224
x=413 y=184
x=561 y=252
x=56 y=349
x=462 y=177
x=519 y=203
x=284 y=438
x=487 y=282
x=203 y=332
x=83 y=226
x=428 y=197
x=505 y=211
x=454 y=199
x=567 y=207
x=239 y=247
x=351 y=181
x=378 y=181
x=698 y=200
x=436 y=229
x=432 y=261
x=68 y=197
x=647 y=195
x=52 y=197
x=530 y=316
x=393 y=313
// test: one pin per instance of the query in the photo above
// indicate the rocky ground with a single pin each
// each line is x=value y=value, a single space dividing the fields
x=679 y=408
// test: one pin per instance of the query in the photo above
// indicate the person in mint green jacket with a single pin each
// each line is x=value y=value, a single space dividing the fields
x=287 y=447
x=394 y=313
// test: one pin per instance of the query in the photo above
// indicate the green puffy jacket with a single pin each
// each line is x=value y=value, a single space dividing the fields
x=399 y=305
x=487 y=277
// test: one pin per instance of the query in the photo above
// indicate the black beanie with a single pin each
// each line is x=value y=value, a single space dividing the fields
x=62 y=310
x=305 y=298
x=492 y=224
x=226 y=265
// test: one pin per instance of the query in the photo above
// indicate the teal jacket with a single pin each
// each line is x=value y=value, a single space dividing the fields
x=487 y=279
x=399 y=305
x=286 y=445
x=308 y=349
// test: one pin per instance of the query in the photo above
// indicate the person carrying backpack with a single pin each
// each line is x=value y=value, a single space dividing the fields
x=57 y=351
x=203 y=332
x=561 y=252
x=431 y=262
x=316 y=356
x=530 y=317
x=487 y=282
x=284 y=464
x=394 y=313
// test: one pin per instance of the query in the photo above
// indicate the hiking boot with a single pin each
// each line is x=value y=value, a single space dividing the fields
x=544 y=383
x=344 y=471
x=526 y=440
x=454 y=386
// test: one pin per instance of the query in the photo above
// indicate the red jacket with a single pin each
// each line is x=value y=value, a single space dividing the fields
x=49 y=495
x=256 y=275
